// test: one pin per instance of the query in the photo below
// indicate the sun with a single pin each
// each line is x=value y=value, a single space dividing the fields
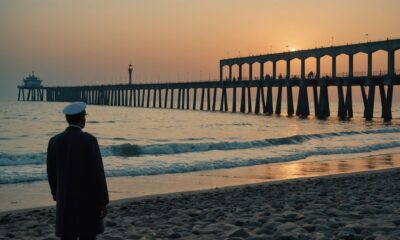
x=293 y=49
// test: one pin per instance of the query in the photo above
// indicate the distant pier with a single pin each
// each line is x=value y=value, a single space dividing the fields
x=163 y=95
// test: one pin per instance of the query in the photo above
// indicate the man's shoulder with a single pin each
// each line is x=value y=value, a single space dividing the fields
x=57 y=136
x=90 y=136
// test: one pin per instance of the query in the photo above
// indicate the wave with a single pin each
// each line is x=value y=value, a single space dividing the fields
x=22 y=159
x=134 y=150
x=39 y=175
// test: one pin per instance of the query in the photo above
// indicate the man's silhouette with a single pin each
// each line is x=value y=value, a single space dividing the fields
x=76 y=177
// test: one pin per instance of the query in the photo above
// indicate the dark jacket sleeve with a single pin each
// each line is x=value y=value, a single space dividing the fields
x=100 y=179
x=51 y=169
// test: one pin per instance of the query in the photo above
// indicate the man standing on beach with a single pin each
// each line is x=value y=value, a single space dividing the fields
x=76 y=177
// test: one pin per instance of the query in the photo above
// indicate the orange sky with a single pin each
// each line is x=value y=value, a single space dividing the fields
x=89 y=42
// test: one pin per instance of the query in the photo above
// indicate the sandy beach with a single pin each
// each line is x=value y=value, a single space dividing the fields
x=346 y=206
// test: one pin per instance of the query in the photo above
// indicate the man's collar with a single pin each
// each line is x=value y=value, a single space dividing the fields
x=75 y=126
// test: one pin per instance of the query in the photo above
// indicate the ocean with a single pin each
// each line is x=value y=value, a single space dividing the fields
x=146 y=141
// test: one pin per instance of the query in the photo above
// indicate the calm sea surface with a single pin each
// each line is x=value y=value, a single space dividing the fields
x=140 y=141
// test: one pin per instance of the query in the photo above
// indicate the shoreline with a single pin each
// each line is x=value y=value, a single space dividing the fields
x=348 y=205
x=211 y=190
x=22 y=197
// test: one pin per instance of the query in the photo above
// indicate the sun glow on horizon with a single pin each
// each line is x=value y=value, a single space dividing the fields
x=293 y=49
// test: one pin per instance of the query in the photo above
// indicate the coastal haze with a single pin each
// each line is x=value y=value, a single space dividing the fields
x=71 y=43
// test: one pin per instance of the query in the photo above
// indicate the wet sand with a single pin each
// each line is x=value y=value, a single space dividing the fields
x=33 y=195
x=346 y=206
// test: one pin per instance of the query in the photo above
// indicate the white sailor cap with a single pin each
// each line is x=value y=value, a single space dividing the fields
x=74 y=108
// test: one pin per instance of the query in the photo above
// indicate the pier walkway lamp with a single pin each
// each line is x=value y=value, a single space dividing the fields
x=130 y=69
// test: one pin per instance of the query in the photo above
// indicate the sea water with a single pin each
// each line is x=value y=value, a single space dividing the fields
x=147 y=141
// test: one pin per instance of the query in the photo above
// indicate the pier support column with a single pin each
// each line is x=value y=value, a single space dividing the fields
x=364 y=98
x=154 y=97
x=269 y=106
x=387 y=116
x=202 y=99
x=111 y=96
x=278 y=108
x=166 y=98
x=120 y=97
x=214 y=99
x=23 y=95
x=126 y=97
x=257 y=103
x=318 y=70
x=148 y=97
x=194 y=99
x=369 y=110
x=249 y=102
x=159 y=98
x=130 y=97
x=138 y=98
x=187 y=98
x=303 y=69
x=179 y=98
x=172 y=98
x=243 y=99
x=323 y=100
x=29 y=95
x=289 y=96
x=208 y=99
x=316 y=101
x=134 y=98
x=143 y=96
x=349 y=101
x=19 y=94
x=303 y=109
x=222 y=106
x=234 y=99
x=274 y=70
x=263 y=103
x=342 y=111
x=183 y=98
x=386 y=111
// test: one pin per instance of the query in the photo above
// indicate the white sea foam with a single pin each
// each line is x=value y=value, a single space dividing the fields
x=15 y=175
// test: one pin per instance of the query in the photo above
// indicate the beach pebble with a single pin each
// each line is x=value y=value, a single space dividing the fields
x=346 y=233
x=355 y=226
x=241 y=233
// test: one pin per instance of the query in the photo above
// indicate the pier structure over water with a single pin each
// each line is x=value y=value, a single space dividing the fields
x=210 y=93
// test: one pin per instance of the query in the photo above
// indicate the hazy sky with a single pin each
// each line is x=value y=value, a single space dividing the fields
x=88 y=42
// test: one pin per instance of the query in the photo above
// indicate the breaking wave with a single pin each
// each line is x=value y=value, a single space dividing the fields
x=40 y=175
x=133 y=150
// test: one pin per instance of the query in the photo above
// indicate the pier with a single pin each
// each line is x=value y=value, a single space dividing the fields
x=256 y=94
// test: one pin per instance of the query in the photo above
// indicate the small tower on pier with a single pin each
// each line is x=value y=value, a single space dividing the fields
x=130 y=69
x=32 y=81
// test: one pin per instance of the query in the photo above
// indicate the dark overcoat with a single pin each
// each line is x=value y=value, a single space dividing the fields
x=77 y=182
